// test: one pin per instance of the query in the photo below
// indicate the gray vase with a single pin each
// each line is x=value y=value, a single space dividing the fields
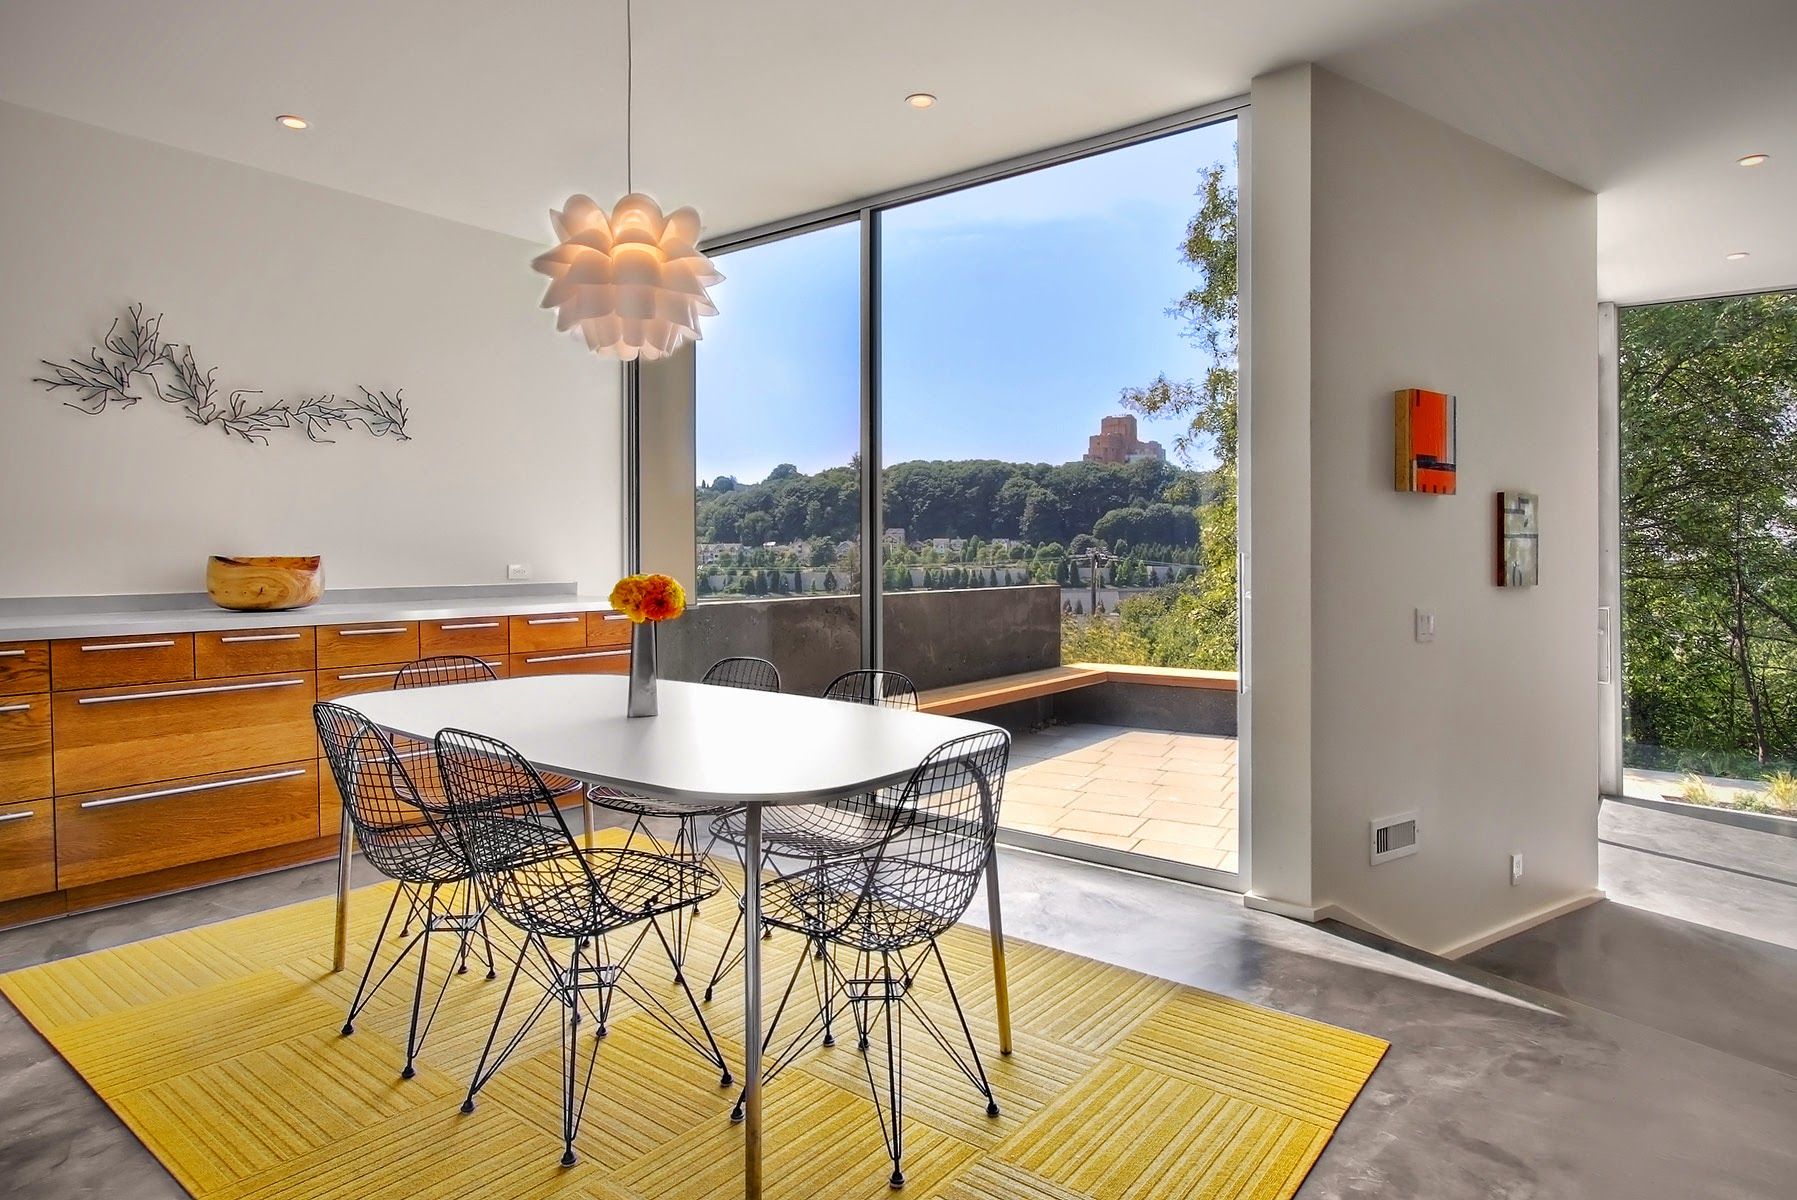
x=642 y=669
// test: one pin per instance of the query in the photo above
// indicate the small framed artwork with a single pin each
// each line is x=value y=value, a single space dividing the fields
x=1518 y=539
x=1426 y=441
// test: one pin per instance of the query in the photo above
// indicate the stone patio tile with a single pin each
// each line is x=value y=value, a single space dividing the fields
x=1080 y=821
x=1187 y=811
x=1120 y=758
x=1101 y=785
x=1182 y=833
x=1128 y=806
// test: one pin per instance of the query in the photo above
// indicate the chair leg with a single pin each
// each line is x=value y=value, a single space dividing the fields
x=892 y=1114
x=355 y=1004
x=978 y=1073
x=481 y=1074
x=424 y=948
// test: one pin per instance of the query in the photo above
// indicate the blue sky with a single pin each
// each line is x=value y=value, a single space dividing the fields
x=1013 y=313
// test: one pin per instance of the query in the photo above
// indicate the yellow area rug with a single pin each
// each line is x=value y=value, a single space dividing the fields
x=220 y=1048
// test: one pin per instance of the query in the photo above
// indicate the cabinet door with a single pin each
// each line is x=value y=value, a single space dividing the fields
x=115 y=737
x=110 y=662
x=367 y=643
x=573 y=662
x=608 y=630
x=27 y=849
x=479 y=636
x=253 y=651
x=24 y=667
x=548 y=631
x=127 y=831
x=24 y=747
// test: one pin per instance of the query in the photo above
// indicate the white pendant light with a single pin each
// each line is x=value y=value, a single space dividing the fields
x=631 y=281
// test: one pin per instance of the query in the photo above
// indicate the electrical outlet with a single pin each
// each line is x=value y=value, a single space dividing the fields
x=517 y=571
x=1425 y=625
x=1515 y=869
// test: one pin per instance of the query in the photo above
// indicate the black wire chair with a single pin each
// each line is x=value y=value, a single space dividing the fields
x=751 y=674
x=813 y=831
x=886 y=689
x=442 y=669
x=877 y=914
x=539 y=879
x=398 y=823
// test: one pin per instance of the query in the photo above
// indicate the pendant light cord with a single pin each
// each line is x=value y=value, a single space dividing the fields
x=629 y=99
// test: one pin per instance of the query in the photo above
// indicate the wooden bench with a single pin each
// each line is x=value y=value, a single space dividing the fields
x=1030 y=685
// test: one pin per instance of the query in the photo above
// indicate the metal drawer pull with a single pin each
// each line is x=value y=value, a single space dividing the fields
x=198 y=691
x=371 y=632
x=263 y=637
x=470 y=625
x=613 y=617
x=551 y=620
x=4 y=817
x=366 y=675
x=128 y=645
x=6 y=708
x=12 y=654
x=193 y=787
x=587 y=654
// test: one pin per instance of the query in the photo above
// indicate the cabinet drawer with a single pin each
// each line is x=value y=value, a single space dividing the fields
x=24 y=667
x=608 y=629
x=27 y=849
x=24 y=747
x=361 y=645
x=463 y=635
x=115 y=661
x=116 y=737
x=357 y=681
x=252 y=651
x=118 y=832
x=573 y=662
x=548 y=631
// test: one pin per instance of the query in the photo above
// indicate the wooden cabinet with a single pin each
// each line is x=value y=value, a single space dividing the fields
x=24 y=747
x=115 y=737
x=608 y=629
x=104 y=835
x=253 y=652
x=573 y=662
x=27 y=849
x=548 y=631
x=113 y=661
x=24 y=667
x=482 y=637
x=367 y=643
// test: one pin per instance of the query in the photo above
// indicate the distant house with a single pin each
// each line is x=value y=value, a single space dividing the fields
x=894 y=538
x=710 y=552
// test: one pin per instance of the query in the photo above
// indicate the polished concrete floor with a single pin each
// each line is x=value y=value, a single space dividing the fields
x=1642 y=1048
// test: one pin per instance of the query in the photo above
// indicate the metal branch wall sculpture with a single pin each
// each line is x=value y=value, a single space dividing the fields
x=135 y=360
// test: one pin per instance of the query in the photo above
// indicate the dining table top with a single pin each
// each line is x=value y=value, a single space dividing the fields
x=707 y=745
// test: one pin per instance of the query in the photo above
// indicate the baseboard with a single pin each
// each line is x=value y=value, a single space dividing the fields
x=1462 y=949
x=1281 y=908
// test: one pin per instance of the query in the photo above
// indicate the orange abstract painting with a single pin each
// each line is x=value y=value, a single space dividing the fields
x=1425 y=441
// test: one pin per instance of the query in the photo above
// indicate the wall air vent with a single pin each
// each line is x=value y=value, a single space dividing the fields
x=1394 y=837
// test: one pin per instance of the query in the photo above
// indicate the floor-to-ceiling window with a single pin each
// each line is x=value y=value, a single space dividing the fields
x=1058 y=399
x=1707 y=395
x=1037 y=367
x=777 y=432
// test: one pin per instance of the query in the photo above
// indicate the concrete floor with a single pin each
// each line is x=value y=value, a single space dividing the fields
x=1639 y=1049
x=1149 y=791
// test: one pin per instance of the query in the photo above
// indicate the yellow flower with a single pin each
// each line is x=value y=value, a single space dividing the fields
x=649 y=598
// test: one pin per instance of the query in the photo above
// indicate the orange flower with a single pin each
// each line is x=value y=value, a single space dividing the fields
x=649 y=598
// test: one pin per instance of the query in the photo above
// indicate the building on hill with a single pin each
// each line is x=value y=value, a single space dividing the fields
x=1116 y=442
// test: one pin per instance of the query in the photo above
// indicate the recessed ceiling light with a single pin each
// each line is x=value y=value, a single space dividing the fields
x=289 y=121
x=1753 y=160
x=1737 y=256
x=920 y=99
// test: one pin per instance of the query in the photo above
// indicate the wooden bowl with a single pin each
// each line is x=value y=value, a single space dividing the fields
x=264 y=584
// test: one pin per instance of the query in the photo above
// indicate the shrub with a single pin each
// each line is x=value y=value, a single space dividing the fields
x=1695 y=791
x=1781 y=791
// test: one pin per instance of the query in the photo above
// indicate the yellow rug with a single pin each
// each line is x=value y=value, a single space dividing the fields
x=219 y=1048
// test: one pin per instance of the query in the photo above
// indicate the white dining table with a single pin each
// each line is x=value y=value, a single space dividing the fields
x=707 y=745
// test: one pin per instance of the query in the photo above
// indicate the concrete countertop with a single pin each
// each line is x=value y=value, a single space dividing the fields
x=31 y=619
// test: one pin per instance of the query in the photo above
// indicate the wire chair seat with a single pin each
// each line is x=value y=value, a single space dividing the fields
x=596 y=891
x=835 y=903
x=642 y=806
x=811 y=830
x=440 y=670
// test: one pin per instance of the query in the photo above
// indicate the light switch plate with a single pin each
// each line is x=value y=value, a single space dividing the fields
x=1425 y=625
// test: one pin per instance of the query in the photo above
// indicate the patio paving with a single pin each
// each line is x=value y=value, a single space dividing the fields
x=1149 y=791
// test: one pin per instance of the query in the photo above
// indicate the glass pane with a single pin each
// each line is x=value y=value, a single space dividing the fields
x=1708 y=398
x=776 y=444
x=1058 y=394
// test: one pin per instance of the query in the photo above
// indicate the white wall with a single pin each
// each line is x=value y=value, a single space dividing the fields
x=286 y=286
x=1437 y=261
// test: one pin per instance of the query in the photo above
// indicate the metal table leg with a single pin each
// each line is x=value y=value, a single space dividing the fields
x=752 y=1003
x=995 y=919
x=341 y=951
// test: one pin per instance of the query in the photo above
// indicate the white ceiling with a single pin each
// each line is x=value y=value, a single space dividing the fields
x=488 y=113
